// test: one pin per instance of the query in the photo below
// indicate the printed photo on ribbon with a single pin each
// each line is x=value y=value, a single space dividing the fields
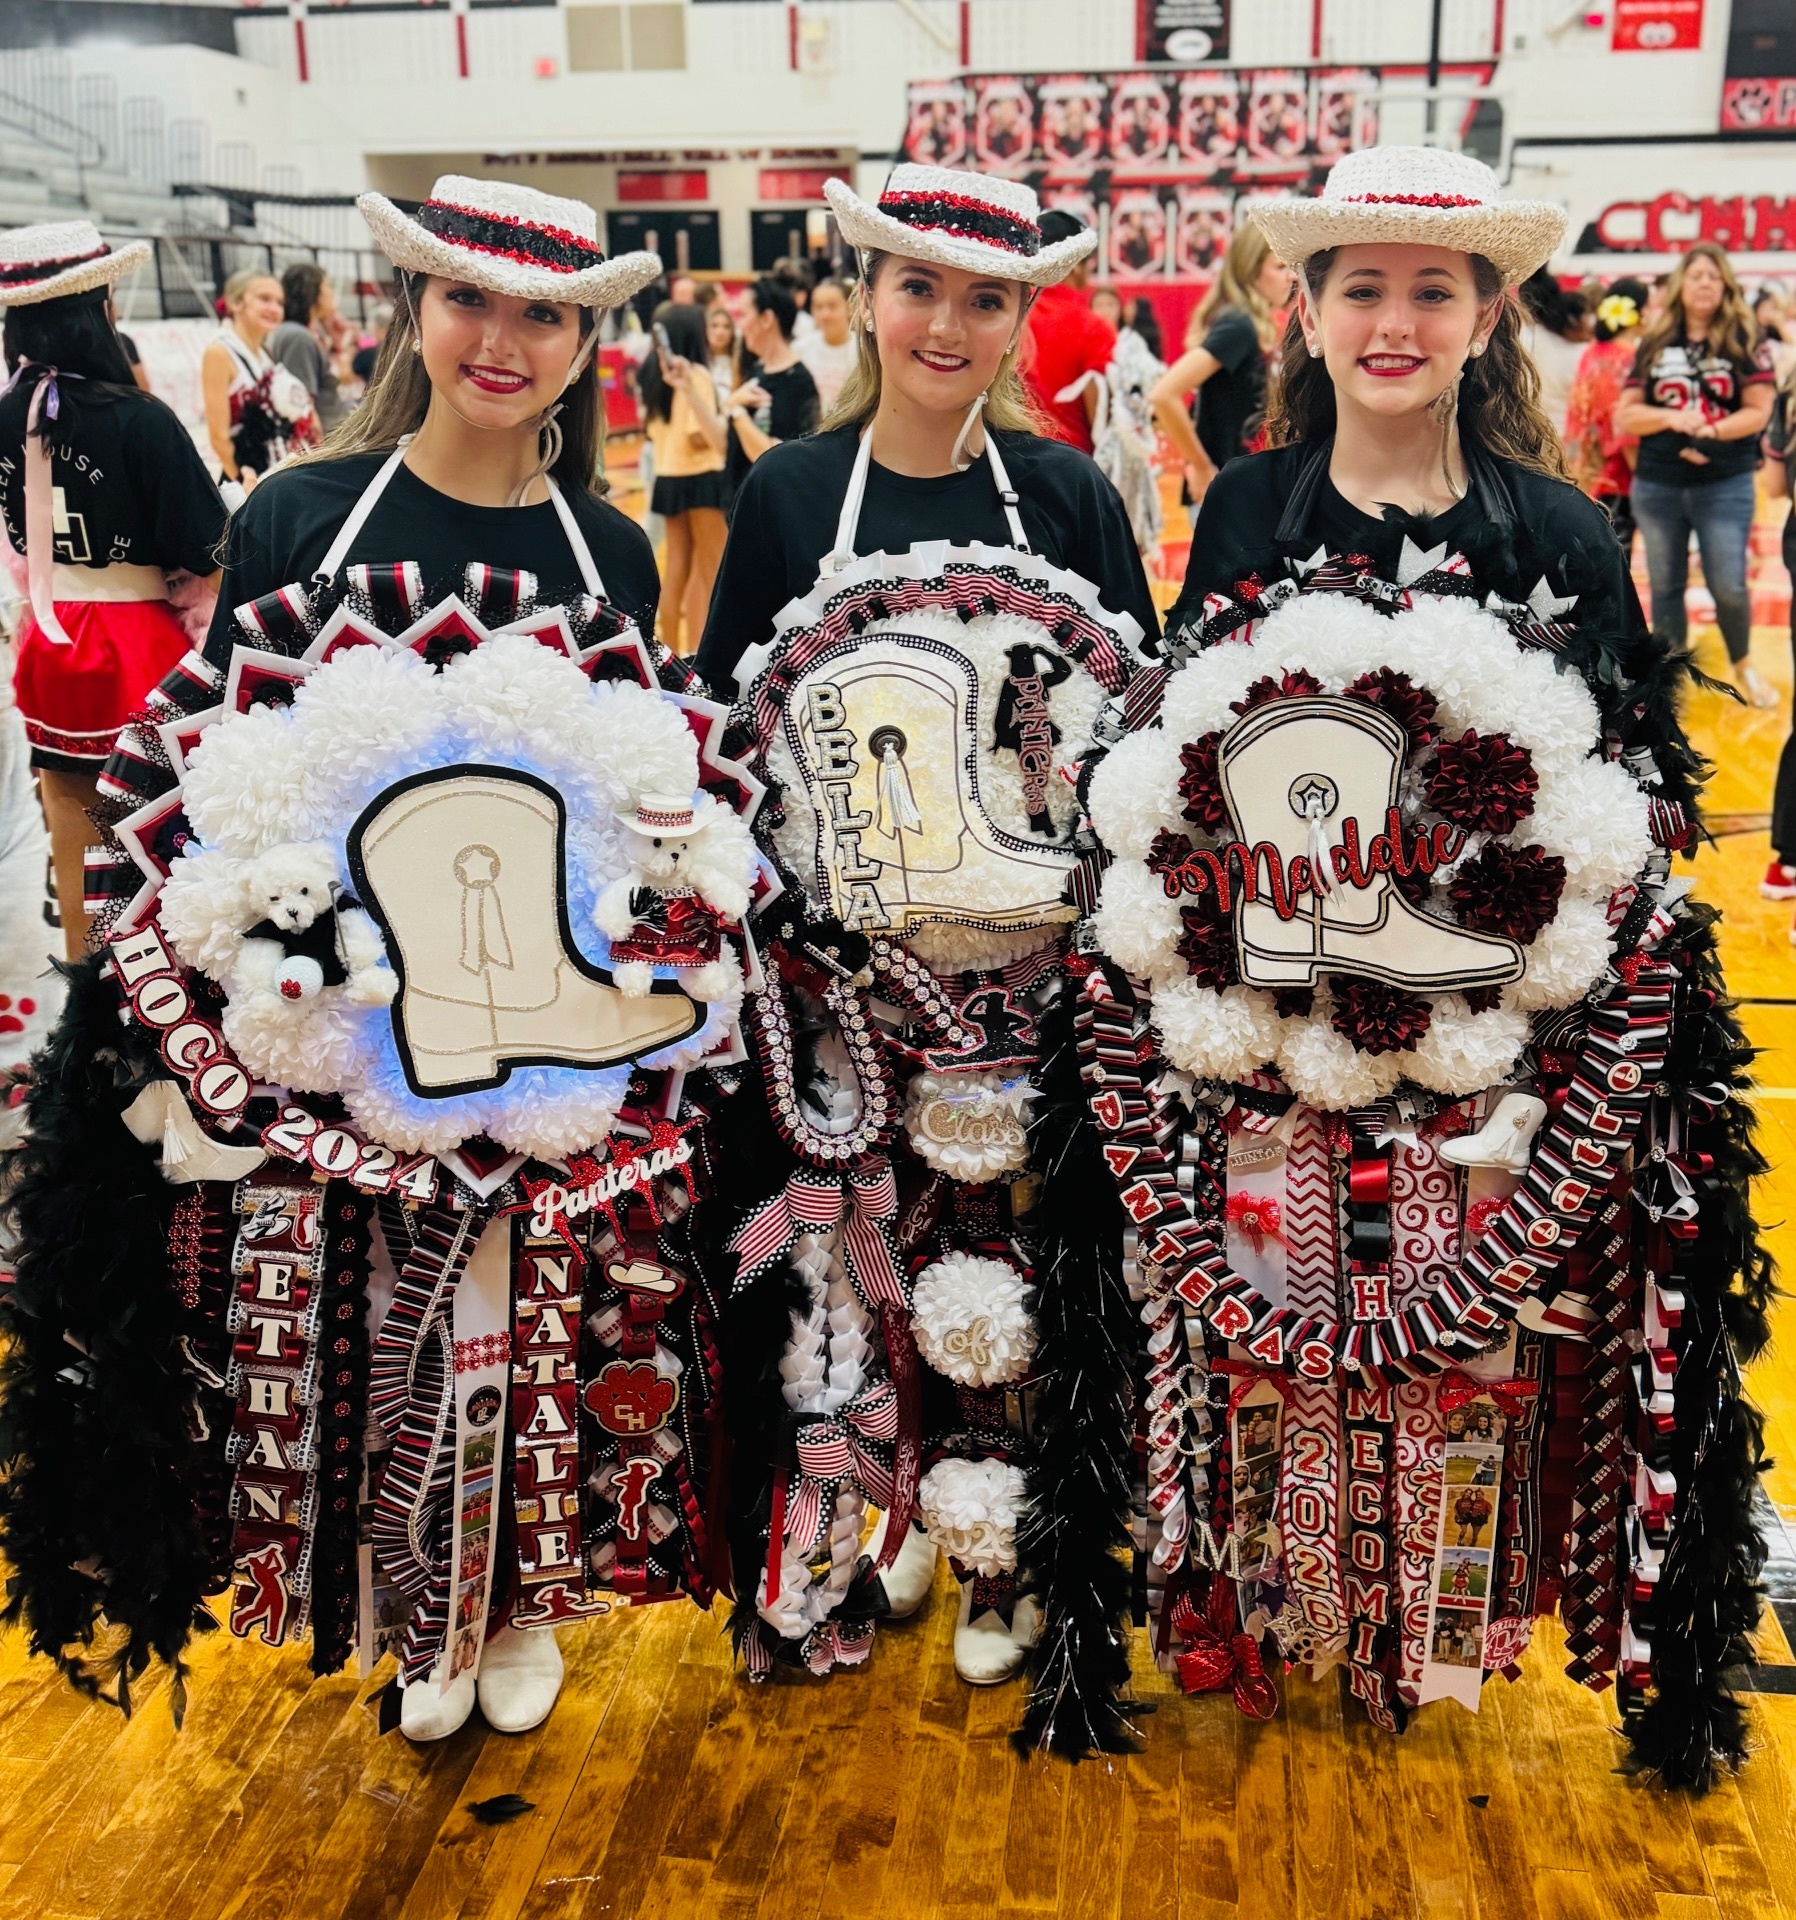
x=1458 y=1637
x=1465 y=1574
x=1479 y=1420
x=1474 y=1466
x=1259 y=1431
x=1470 y=1515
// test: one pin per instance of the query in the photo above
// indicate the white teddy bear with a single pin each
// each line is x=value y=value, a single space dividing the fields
x=312 y=934
x=685 y=880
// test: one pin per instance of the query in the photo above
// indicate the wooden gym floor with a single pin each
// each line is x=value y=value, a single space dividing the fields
x=662 y=1786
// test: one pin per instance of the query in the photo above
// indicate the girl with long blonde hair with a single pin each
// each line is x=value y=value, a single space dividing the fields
x=1699 y=399
x=1231 y=338
x=934 y=388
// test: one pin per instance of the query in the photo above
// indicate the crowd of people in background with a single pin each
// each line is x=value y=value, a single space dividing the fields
x=1673 y=395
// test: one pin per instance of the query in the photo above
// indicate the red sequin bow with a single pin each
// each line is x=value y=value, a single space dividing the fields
x=1257 y=1216
x=1218 y=1655
x=1457 y=1388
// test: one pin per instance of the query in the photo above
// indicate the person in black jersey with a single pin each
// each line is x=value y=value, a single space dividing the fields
x=933 y=339
x=777 y=399
x=104 y=493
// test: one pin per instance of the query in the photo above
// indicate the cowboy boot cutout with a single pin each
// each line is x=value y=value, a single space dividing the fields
x=887 y=749
x=1304 y=779
x=465 y=870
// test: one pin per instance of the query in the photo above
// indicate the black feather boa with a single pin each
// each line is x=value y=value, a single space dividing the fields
x=1073 y=1538
x=1708 y=1596
x=97 y=1515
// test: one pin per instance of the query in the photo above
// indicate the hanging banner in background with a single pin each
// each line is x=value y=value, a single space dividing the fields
x=1656 y=26
x=1161 y=162
x=1182 y=31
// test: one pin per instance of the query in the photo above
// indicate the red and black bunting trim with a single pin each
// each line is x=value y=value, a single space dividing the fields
x=963 y=217
x=27 y=273
x=489 y=233
x=1520 y=1254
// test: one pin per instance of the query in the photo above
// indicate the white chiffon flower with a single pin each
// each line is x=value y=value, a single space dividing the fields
x=971 y=1317
x=970 y=1508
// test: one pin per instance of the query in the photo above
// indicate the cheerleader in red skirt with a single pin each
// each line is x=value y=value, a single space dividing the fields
x=105 y=495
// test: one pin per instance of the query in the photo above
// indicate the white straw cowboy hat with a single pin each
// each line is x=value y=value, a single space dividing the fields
x=509 y=239
x=63 y=257
x=954 y=219
x=1416 y=196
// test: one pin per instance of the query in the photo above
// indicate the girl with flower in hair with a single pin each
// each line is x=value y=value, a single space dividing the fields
x=1602 y=457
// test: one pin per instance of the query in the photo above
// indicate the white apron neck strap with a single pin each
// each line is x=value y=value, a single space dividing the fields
x=358 y=518
x=338 y=551
x=589 y=572
x=846 y=527
x=1006 y=493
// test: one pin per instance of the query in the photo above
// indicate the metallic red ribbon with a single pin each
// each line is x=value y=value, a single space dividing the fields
x=1457 y=1388
x=1217 y=1655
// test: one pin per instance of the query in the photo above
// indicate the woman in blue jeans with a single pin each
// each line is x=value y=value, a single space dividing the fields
x=1698 y=400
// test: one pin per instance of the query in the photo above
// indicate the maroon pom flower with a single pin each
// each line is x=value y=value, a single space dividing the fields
x=1286 y=688
x=1294 y=1003
x=1169 y=852
x=1483 y=999
x=1412 y=707
x=1378 y=1018
x=1199 y=788
x=1207 y=948
x=1484 y=783
x=1509 y=890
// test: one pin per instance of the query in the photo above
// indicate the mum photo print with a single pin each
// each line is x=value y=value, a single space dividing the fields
x=897 y=998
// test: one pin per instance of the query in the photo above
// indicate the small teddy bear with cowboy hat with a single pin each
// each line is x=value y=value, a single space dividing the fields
x=669 y=909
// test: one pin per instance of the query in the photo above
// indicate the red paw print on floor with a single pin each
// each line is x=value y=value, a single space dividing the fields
x=11 y=1022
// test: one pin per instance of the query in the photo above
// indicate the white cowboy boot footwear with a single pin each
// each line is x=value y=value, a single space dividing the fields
x=1294 y=773
x=519 y=1678
x=465 y=871
x=427 y=1713
x=908 y=1579
x=1504 y=1139
x=986 y=1651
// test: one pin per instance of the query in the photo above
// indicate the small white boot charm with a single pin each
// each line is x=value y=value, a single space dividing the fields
x=1504 y=1139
